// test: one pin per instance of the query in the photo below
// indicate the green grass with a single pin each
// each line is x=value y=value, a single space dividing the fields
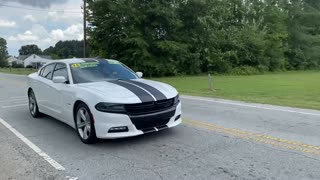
x=21 y=71
x=296 y=89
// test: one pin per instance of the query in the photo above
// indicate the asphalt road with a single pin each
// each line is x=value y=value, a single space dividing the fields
x=219 y=139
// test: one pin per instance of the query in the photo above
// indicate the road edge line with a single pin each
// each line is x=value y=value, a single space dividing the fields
x=12 y=100
x=16 y=105
x=251 y=105
x=35 y=148
x=18 y=97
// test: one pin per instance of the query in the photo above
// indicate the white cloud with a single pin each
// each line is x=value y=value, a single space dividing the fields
x=57 y=34
x=47 y=40
x=26 y=36
x=28 y=33
x=73 y=29
x=73 y=32
x=43 y=38
x=30 y=18
x=15 y=22
x=39 y=30
x=6 y=23
x=58 y=16
x=53 y=14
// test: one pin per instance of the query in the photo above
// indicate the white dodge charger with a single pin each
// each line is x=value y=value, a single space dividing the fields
x=102 y=98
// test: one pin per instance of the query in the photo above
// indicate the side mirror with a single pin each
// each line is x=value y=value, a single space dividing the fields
x=59 y=79
x=140 y=74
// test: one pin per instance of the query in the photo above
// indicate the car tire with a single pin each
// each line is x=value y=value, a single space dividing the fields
x=33 y=105
x=84 y=124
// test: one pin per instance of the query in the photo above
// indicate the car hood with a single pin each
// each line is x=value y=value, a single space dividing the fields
x=131 y=91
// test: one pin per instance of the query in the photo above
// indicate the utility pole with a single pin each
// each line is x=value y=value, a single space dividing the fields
x=84 y=28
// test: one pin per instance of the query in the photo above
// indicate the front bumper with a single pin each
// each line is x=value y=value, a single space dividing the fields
x=105 y=121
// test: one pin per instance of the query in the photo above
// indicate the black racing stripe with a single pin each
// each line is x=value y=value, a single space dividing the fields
x=140 y=93
x=155 y=92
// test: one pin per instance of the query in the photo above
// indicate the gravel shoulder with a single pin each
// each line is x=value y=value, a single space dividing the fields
x=18 y=161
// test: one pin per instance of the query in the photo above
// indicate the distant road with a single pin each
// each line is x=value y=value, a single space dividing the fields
x=219 y=139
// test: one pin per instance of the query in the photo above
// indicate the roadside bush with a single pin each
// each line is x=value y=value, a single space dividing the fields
x=312 y=65
x=245 y=70
x=263 y=68
x=15 y=65
x=29 y=66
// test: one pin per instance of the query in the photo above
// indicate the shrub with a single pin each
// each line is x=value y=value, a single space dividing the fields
x=245 y=70
x=263 y=68
x=15 y=65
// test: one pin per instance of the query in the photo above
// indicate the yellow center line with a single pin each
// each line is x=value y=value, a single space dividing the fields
x=293 y=145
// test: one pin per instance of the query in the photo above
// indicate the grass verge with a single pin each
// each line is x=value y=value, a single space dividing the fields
x=296 y=89
x=21 y=71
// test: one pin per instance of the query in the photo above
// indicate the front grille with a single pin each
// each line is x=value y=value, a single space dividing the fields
x=143 y=124
x=160 y=119
x=149 y=107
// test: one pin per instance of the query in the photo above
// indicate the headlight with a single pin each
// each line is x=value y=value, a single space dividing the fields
x=109 y=107
x=176 y=100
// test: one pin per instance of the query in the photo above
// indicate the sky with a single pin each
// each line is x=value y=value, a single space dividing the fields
x=40 y=22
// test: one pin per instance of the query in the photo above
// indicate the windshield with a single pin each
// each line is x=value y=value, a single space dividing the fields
x=100 y=70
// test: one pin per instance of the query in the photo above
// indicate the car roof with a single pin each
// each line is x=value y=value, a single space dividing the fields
x=77 y=60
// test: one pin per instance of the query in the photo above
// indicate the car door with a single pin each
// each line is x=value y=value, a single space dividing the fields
x=43 y=95
x=35 y=85
x=62 y=93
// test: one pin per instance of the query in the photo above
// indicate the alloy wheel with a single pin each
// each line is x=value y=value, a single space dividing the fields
x=32 y=103
x=84 y=123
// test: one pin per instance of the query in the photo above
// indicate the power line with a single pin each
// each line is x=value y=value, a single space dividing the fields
x=39 y=10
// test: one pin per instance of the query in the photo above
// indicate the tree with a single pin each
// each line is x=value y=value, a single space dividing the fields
x=139 y=33
x=30 y=49
x=3 y=53
x=199 y=36
x=304 y=33
x=66 y=49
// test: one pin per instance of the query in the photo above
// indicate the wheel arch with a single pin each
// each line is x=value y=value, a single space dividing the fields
x=29 y=90
x=93 y=137
x=86 y=97
x=75 y=105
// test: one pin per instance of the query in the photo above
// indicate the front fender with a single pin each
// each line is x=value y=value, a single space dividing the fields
x=87 y=97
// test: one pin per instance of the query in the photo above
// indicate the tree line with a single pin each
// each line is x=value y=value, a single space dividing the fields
x=61 y=50
x=169 y=37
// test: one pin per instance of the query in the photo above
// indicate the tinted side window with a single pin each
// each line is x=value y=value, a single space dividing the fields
x=47 y=72
x=61 y=70
x=41 y=71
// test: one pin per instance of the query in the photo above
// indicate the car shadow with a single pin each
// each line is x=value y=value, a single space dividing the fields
x=136 y=140
x=145 y=138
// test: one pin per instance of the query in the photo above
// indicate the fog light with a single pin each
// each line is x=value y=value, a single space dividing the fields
x=178 y=117
x=118 y=129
